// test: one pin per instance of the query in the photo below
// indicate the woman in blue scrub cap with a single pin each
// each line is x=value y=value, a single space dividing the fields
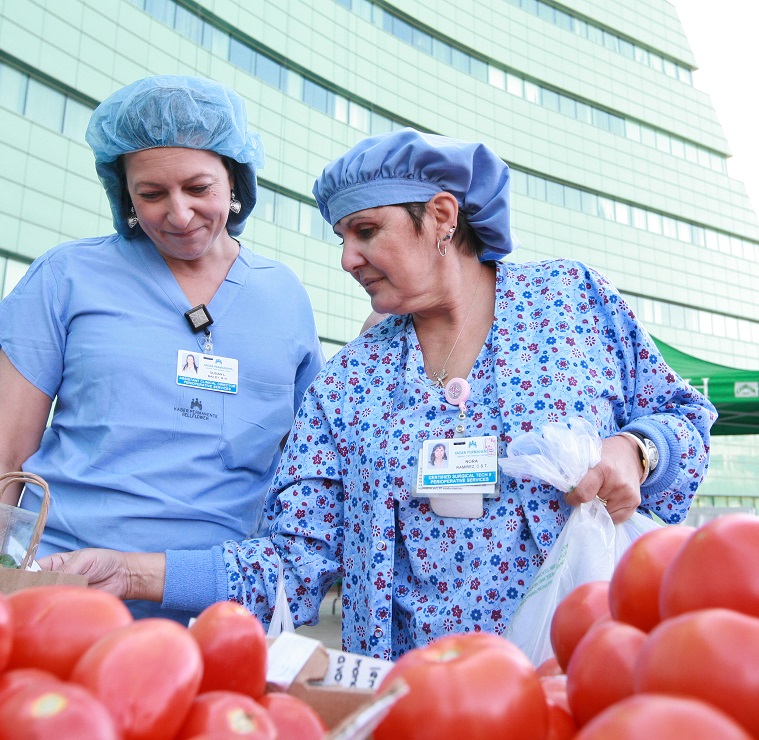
x=156 y=456
x=475 y=352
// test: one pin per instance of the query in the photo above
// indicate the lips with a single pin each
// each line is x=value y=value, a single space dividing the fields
x=366 y=283
x=186 y=234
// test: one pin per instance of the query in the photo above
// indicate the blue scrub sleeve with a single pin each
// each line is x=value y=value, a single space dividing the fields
x=666 y=441
x=32 y=333
x=195 y=579
x=655 y=402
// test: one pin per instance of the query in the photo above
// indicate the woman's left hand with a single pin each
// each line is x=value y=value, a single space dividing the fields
x=128 y=575
x=615 y=480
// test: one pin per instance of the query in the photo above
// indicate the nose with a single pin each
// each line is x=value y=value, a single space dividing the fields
x=180 y=213
x=351 y=259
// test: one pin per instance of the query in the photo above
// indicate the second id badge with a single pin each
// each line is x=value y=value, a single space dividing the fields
x=209 y=372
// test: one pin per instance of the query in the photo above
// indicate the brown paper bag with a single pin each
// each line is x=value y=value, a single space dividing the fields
x=14 y=579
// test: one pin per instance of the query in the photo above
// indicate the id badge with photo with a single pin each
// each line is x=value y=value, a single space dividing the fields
x=208 y=372
x=459 y=465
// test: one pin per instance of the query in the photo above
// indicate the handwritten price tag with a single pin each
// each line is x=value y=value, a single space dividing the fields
x=355 y=671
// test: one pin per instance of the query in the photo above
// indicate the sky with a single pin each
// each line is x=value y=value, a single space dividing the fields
x=724 y=37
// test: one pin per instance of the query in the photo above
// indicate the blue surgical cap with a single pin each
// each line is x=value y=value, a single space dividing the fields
x=407 y=166
x=174 y=111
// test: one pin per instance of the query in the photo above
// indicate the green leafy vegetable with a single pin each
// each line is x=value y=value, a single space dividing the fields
x=8 y=561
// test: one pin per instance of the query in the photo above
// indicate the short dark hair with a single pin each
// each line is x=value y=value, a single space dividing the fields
x=466 y=236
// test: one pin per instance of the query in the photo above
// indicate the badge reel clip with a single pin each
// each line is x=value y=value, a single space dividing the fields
x=460 y=505
x=457 y=393
x=200 y=319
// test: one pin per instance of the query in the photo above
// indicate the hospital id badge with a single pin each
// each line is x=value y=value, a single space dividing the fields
x=460 y=463
x=208 y=372
x=488 y=490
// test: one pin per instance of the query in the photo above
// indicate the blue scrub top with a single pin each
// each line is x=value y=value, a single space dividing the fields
x=135 y=461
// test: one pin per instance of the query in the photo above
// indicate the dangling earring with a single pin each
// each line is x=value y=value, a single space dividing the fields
x=446 y=238
x=132 y=219
x=234 y=205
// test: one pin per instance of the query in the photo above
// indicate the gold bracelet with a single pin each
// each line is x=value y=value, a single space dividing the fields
x=643 y=454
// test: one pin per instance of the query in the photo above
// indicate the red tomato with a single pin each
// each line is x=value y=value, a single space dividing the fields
x=14 y=679
x=549 y=667
x=60 y=710
x=227 y=714
x=716 y=568
x=561 y=723
x=555 y=689
x=233 y=644
x=293 y=718
x=710 y=654
x=470 y=686
x=652 y=716
x=582 y=607
x=6 y=631
x=146 y=674
x=635 y=584
x=600 y=670
x=54 y=625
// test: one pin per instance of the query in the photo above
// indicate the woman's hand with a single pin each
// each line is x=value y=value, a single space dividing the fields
x=615 y=480
x=128 y=575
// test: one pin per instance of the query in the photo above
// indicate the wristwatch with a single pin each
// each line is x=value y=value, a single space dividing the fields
x=649 y=453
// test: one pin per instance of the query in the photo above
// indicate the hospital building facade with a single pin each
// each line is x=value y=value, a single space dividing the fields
x=617 y=158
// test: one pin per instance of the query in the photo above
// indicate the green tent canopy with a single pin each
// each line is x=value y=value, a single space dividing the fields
x=734 y=392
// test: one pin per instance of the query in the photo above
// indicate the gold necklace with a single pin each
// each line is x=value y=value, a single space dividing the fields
x=442 y=375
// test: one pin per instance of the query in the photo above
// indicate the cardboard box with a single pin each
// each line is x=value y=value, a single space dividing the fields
x=12 y=579
x=338 y=685
x=332 y=703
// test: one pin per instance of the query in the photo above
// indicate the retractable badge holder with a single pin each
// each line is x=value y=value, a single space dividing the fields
x=457 y=392
x=462 y=505
x=200 y=319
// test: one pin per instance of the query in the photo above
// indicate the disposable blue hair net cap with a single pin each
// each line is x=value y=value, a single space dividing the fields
x=174 y=111
x=408 y=166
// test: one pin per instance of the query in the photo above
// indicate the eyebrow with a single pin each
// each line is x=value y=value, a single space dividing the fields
x=149 y=184
x=348 y=221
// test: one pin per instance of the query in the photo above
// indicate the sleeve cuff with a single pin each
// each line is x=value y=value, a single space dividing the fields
x=669 y=464
x=195 y=579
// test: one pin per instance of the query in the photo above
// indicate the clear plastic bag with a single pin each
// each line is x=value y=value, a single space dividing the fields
x=281 y=618
x=589 y=546
x=629 y=531
x=560 y=454
x=587 y=549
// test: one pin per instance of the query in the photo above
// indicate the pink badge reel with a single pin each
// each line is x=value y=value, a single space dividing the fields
x=457 y=392
x=460 y=505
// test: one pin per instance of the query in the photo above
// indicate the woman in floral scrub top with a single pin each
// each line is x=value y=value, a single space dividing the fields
x=425 y=222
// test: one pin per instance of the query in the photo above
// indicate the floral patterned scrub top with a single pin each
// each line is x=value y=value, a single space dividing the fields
x=343 y=503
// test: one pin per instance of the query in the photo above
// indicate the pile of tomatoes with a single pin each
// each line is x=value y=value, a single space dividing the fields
x=75 y=665
x=668 y=648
